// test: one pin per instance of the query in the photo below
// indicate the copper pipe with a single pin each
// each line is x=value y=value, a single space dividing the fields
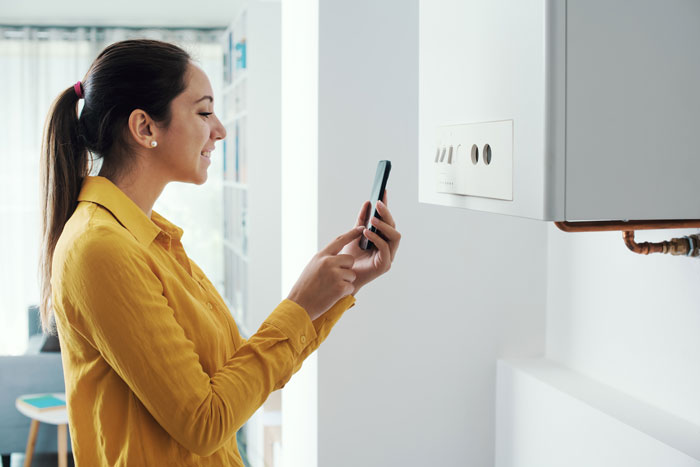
x=643 y=248
x=608 y=226
x=684 y=246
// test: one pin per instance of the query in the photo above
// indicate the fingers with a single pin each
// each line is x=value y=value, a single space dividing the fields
x=348 y=275
x=364 y=214
x=386 y=215
x=344 y=279
x=334 y=247
x=348 y=288
x=386 y=230
x=382 y=246
x=390 y=233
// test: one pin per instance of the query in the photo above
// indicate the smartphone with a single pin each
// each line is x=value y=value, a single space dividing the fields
x=383 y=169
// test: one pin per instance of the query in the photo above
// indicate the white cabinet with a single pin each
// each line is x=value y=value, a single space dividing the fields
x=603 y=98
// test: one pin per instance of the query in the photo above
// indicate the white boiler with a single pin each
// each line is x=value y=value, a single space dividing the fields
x=561 y=109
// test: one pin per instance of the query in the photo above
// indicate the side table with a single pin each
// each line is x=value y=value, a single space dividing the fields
x=54 y=417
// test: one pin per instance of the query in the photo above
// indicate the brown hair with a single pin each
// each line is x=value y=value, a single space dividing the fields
x=127 y=75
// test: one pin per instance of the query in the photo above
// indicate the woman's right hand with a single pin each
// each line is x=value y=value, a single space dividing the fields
x=327 y=278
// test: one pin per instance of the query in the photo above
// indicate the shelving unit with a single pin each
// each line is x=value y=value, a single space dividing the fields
x=251 y=163
x=235 y=169
x=252 y=193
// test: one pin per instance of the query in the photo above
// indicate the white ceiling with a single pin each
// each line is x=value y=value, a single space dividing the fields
x=136 y=13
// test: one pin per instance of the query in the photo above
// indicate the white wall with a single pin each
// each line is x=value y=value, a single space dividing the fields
x=299 y=192
x=408 y=376
x=619 y=385
x=629 y=321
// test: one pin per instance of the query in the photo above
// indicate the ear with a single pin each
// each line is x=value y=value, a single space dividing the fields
x=142 y=128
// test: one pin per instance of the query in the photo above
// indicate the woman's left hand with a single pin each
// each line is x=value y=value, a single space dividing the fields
x=370 y=264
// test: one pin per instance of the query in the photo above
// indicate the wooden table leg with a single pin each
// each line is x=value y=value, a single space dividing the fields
x=62 y=446
x=31 y=441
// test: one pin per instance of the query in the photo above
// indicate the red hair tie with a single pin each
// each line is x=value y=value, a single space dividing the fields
x=78 y=87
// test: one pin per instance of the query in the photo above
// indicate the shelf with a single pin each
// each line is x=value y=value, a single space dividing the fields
x=235 y=184
x=242 y=76
x=233 y=118
x=546 y=411
x=272 y=418
x=235 y=250
x=238 y=318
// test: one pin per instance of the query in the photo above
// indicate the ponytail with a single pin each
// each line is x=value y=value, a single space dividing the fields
x=127 y=75
x=64 y=165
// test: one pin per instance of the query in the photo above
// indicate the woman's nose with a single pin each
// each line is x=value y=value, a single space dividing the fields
x=219 y=131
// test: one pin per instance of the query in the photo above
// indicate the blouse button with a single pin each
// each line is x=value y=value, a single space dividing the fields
x=303 y=339
x=210 y=307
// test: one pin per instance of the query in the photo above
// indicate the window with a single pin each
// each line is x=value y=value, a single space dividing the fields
x=38 y=64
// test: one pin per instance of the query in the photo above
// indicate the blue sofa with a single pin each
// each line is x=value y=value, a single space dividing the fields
x=34 y=372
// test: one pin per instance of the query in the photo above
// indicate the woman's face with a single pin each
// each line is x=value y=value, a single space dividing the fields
x=186 y=144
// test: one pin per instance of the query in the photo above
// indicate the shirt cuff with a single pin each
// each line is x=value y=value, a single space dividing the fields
x=333 y=315
x=295 y=323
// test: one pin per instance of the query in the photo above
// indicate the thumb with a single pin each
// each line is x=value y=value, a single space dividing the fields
x=334 y=247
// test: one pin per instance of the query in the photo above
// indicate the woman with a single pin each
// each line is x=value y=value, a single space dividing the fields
x=156 y=371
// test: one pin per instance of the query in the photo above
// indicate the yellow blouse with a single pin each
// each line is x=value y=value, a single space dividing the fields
x=156 y=371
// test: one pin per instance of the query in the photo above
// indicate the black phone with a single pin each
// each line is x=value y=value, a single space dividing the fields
x=380 y=179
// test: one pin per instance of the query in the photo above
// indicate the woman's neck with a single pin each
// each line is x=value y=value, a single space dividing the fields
x=140 y=186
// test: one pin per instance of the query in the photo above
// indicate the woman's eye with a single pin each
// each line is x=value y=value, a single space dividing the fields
x=205 y=114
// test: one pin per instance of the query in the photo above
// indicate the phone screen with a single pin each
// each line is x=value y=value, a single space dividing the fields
x=378 y=187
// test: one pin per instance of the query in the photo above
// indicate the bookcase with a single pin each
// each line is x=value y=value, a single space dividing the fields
x=251 y=170
x=235 y=170
x=251 y=190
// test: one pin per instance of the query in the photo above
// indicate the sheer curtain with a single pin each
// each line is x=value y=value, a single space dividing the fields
x=38 y=64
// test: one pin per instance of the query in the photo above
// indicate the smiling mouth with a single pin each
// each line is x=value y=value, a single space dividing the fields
x=206 y=154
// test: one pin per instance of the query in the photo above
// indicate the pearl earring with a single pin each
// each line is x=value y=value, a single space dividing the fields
x=154 y=144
